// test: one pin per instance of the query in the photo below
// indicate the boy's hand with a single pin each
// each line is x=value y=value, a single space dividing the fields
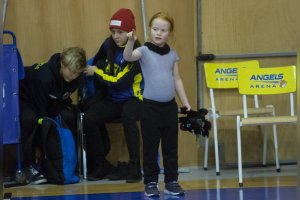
x=89 y=70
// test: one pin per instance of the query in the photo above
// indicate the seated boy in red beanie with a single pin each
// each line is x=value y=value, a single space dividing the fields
x=124 y=84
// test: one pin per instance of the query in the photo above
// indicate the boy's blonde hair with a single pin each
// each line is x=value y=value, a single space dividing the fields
x=74 y=58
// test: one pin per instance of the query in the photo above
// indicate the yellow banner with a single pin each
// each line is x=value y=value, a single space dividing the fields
x=224 y=75
x=270 y=80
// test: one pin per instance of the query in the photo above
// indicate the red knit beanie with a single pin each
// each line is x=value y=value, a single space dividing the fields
x=123 y=19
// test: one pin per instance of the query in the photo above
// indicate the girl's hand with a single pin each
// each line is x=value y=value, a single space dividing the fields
x=131 y=35
x=188 y=107
x=89 y=70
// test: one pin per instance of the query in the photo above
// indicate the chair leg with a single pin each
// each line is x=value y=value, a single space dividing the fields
x=78 y=140
x=276 y=147
x=83 y=146
x=206 y=153
x=239 y=149
x=20 y=174
x=265 y=145
x=216 y=143
x=19 y=158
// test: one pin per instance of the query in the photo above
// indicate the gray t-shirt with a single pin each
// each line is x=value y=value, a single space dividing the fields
x=158 y=74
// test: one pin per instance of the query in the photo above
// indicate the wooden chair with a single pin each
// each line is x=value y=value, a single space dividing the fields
x=223 y=76
x=264 y=81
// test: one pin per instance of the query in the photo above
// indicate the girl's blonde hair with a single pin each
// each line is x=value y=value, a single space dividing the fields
x=74 y=58
x=164 y=16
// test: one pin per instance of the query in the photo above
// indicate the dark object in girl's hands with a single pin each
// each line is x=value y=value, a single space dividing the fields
x=195 y=121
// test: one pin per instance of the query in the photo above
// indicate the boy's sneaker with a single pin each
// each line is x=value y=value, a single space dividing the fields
x=134 y=172
x=120 y=173
x=34 y=177
x=98 y=173
x=173 y=188
x=151 y=189
x=101 y=171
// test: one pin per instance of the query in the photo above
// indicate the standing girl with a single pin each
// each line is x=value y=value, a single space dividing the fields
x=159 y=122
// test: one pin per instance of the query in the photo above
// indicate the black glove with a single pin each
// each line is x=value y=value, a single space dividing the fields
x=195 y=121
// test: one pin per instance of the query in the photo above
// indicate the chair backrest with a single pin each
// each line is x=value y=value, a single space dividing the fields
x=224 y=76
x=267 y=81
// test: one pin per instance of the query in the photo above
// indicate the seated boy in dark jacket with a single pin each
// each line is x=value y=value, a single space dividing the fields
x=45 y=91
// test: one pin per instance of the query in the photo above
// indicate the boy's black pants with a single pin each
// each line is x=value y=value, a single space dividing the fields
x=105 y=111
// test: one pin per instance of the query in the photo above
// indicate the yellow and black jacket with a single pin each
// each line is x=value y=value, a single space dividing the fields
x=124 y=80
